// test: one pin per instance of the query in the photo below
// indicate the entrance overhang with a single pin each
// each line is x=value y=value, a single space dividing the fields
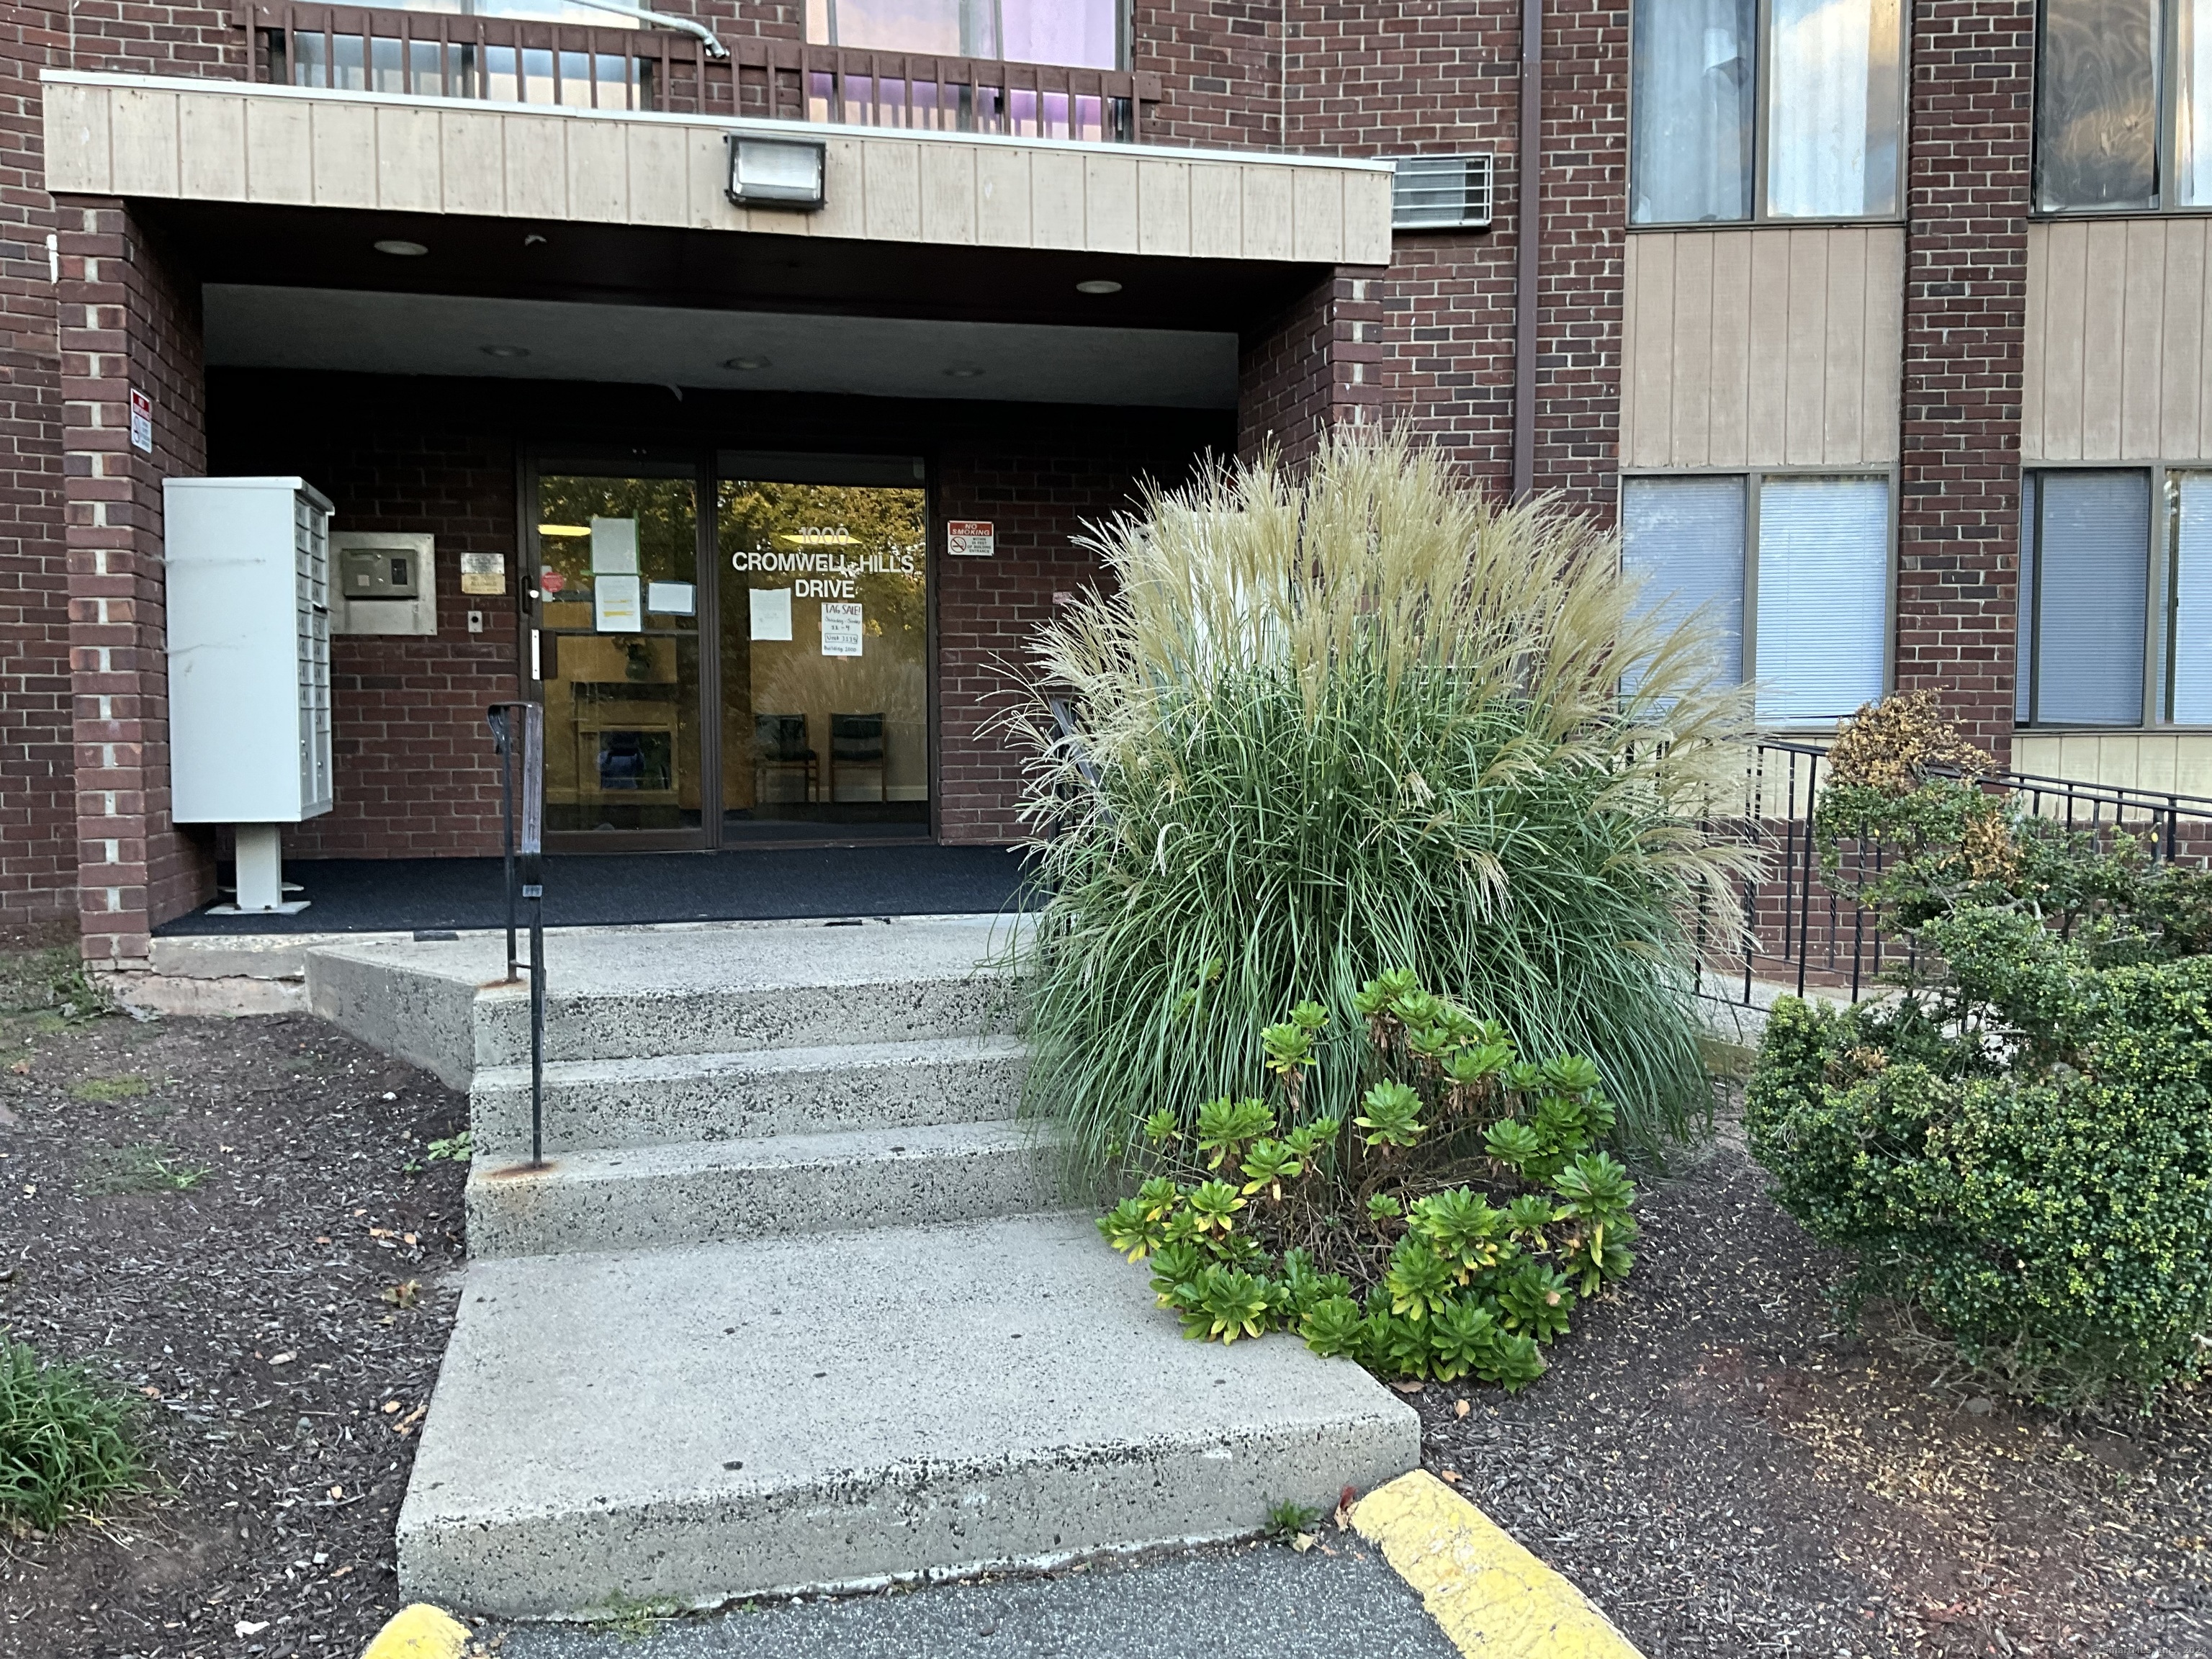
x=162 y=138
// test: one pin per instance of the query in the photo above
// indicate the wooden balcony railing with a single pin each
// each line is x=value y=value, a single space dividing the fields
x=583 y=66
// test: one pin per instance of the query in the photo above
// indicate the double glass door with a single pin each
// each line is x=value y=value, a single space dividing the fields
x=761 y=678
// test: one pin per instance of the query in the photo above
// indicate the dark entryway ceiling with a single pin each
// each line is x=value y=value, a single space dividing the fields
x=331 y=248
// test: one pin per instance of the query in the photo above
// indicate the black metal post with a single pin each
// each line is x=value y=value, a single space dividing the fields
x=533 y=889
x=502 y=739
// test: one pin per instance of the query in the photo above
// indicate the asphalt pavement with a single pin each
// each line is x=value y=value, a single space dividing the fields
x=1337 y=1600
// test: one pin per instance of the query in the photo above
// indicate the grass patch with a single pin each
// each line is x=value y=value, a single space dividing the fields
x=142 y=1166
x=127 y=1087
x=52 y=982
x=67 y=1440
x=632 y=1618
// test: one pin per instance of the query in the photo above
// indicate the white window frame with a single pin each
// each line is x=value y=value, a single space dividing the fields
x=1753 y=476
x=1762 y=46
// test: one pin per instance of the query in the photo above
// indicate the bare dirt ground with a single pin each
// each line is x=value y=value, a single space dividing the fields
x=235 y=1221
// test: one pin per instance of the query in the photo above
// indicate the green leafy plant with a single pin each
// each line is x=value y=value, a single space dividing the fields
x=1362 y=714
x=1287 y=1519
x=2016 y=1144
x=1451 y=1233
x=457 y=1149
x=68 y=1442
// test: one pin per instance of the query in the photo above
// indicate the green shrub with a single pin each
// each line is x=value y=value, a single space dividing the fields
x=1364 y=715
x=66 y=1440
x=2019 y=1144
x=1376 y=1242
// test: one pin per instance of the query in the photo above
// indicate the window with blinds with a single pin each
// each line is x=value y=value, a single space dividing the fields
x=1823 y=596
x=1685 y=538
x=1808 y=569
x=2189 y=603
x=2085 y=587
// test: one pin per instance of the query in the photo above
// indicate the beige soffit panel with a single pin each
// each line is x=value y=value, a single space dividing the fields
x=219 y=140
x=1772 y=347
x=2119 y=341
x=2160 y=762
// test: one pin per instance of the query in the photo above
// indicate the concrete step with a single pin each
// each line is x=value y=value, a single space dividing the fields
x=764 y=1092
x=698 y=1192
x=654 y=992
x=726 y=1420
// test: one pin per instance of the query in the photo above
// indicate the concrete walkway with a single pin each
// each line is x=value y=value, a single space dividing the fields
x=1258 y=1601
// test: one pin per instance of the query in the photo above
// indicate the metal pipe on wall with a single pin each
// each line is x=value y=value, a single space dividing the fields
x=1527 y=223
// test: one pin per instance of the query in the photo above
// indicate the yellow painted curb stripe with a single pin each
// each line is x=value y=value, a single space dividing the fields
x=1493 y=1598
x=421 y=1631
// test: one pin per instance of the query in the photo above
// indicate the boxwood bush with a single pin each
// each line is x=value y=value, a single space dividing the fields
x=2017 y=1143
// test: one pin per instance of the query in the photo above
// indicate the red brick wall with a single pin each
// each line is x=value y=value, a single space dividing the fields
x=126 y=320
x=1966 y=320
x=414 y=772
x=1318 y=365
x=1378 y=77
x=1585 y=214
x=1038 y=488
x=38 y=820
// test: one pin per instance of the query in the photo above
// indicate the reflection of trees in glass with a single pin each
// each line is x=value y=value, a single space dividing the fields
x=837 y=526
x=880 y=521
x=667 y=547
x=2096 y=117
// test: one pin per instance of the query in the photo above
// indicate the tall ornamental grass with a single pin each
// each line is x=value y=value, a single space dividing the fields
x=1321 y=724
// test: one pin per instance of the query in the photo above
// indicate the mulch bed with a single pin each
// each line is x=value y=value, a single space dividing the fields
x=281 y=1318
x=1725 y=1469
x=1713 y=1457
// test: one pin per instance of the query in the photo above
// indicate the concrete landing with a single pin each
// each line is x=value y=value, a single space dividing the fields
x=650 y=992
x=694 y=1424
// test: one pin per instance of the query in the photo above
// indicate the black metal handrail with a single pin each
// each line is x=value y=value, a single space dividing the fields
x=518 y=733
x=1804 y=934
x=589 y=66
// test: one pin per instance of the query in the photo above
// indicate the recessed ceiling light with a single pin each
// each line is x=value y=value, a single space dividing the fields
x=964 y=374
x=745 y=362
x=506 y=351
x=1098 y=285
x=404 y=250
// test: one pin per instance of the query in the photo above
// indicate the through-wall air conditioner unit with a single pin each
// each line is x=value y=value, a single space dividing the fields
x=1441 y=192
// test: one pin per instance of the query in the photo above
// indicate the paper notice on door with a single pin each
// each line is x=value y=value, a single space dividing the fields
x=771 y=613
x=614 y=547
x=840 y=630
x=671 y=598
x=615 y=607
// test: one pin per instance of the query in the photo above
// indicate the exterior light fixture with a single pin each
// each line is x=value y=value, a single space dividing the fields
x=777 y=173
x=964 y=374
x=1098 y=285
x=506 y=351
x=400 y=248
x=745 y=362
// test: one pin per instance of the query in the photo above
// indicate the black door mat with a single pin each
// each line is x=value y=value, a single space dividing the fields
x=598 y=890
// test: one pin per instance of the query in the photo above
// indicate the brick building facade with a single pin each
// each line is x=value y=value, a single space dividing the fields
x=1920 y=379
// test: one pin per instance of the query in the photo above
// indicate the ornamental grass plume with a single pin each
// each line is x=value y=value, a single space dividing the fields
x=1322 y=722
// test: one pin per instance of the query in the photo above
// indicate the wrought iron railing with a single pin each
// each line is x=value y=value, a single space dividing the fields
x=1806 y=935
x=585 y=66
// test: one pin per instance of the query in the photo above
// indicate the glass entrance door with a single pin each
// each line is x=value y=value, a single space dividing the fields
x=627 y=763
x=824 y=661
